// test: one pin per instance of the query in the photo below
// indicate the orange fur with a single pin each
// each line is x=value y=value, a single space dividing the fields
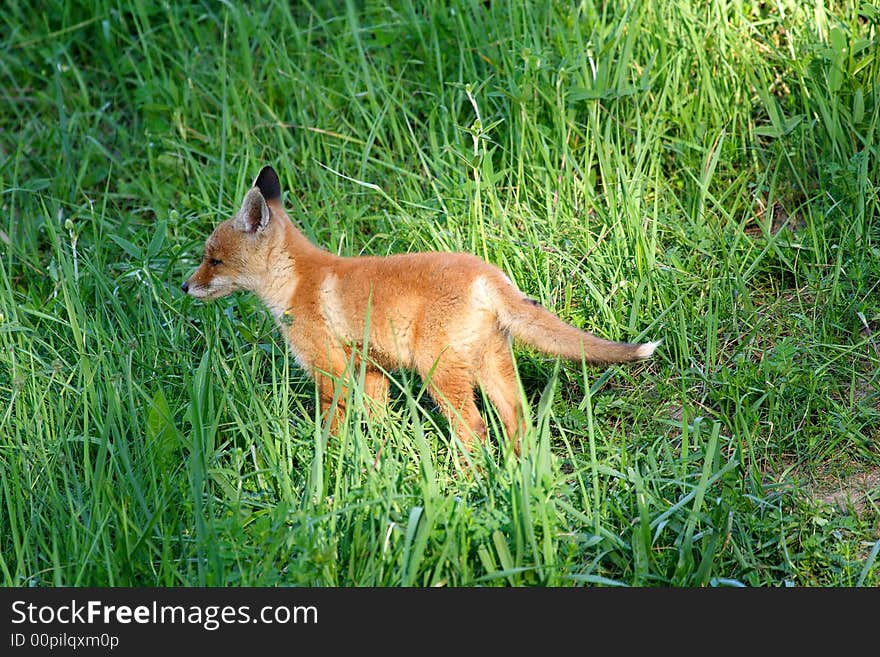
x=449 y=316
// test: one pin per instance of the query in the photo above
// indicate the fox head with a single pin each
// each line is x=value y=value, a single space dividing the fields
x=236 y=253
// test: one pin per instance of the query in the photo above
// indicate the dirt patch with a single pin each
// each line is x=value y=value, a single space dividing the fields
x=779 y=218
x=855 y=490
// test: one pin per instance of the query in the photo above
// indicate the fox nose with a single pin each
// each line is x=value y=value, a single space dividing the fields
x=185 y=286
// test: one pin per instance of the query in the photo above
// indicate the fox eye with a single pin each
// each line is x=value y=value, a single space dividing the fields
x=214 y=262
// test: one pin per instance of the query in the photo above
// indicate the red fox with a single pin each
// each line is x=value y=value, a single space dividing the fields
x=448 y=316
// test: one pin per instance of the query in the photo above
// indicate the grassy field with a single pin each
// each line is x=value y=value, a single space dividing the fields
x=701 y=172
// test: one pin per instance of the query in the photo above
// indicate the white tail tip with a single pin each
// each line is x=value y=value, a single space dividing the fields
x=647 y=349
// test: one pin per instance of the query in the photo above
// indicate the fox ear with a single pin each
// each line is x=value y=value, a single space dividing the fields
x=268 y=184
x=254 y=214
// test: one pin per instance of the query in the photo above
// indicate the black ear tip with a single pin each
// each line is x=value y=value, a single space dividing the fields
x=268 y=183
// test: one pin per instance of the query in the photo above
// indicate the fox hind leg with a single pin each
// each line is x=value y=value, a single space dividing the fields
x=497 y=378
x=451 y=385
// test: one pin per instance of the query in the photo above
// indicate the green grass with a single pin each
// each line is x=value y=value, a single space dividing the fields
x=705 y=173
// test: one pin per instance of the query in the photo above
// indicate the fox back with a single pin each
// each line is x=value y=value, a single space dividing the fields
x=449 y=316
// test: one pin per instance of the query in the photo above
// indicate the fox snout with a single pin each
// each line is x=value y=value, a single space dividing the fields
x=207 y=285
x=197 y=286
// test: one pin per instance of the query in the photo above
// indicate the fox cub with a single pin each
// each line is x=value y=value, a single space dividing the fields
x=449 y=316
